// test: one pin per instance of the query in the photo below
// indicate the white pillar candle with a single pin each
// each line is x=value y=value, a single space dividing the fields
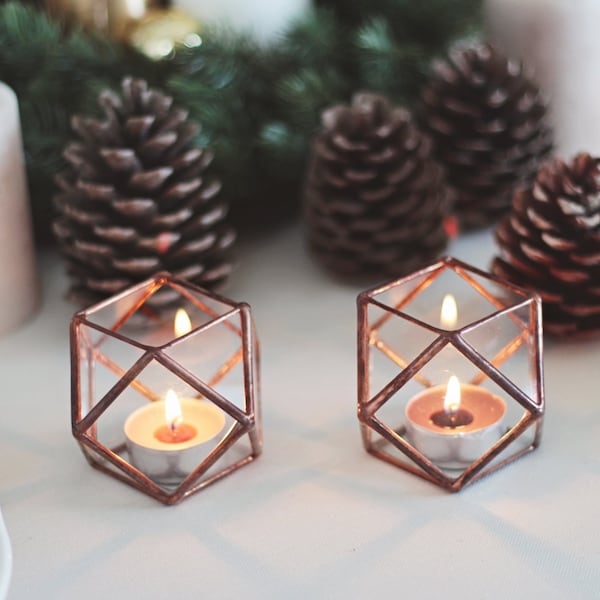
x=19 y=288
x=264 y=19
x=559 y=40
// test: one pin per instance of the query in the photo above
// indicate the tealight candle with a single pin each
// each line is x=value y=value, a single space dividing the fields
x=454 y=425
x=165 y=438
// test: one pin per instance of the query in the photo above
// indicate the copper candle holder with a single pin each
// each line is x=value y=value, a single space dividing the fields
x=126 y=356
x=408 y=352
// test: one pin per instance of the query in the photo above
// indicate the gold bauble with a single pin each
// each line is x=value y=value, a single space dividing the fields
x=162 y=30
x=114 y=17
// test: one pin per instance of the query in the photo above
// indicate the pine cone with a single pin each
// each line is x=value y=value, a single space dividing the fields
x=489 y=128
x=551 y=244
x=374 y=200
x=136 y=199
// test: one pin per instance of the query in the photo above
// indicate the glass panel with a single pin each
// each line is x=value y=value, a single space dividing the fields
x=103 y=360
x=497 y=338
x=120 y=309
x=508 y=343
x=394 y=342
x=498 y=295
x=391 y=451
x=238 y=451
x=422 y=297
x=471 y=304
x=152 y=327
x=215 y=356
x=405 y=289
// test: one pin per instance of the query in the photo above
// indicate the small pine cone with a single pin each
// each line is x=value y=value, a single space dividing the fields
x=489 y=128
x=550 y=243
x=136 y=199
x=374 y=200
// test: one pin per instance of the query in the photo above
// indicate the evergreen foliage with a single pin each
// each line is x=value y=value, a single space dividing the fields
x=259 y=106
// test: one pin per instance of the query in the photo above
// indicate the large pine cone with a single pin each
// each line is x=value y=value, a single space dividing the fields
x=551 y=244
x=489 y=127
x=136 y=198
x=374 y=200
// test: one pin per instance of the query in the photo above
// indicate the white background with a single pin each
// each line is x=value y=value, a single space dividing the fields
x=315 y=516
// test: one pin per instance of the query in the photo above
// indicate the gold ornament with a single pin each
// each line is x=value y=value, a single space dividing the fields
x=162 y=30
x=113 y=17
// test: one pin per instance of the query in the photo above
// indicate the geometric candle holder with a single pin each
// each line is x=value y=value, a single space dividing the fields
x=450 y=398
x=128 y=364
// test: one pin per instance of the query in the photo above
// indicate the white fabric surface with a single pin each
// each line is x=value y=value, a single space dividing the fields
x=315 y=516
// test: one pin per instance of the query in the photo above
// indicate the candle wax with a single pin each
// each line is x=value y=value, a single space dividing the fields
x=429 y=427
x=142 y=425
x=177 y=434
x=485 y=408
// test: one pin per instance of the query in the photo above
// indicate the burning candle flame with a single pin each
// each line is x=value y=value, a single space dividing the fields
x=173 y=416
x=182 y=323
x=452 y=397
x=449 y=312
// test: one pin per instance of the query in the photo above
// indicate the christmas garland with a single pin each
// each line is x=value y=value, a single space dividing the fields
x=259 y=106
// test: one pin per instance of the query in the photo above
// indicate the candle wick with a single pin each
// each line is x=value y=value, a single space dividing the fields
x=452 y=419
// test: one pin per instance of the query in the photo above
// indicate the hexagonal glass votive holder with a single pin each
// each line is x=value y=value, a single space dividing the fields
x=450 y=395
x=166 y=401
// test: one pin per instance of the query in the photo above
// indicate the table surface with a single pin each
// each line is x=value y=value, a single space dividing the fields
x=315 y=516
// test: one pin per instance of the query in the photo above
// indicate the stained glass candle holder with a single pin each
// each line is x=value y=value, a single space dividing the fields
x=166 y=401
x=450 y=380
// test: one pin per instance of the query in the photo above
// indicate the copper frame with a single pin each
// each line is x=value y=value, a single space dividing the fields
x=378 y=436
x=246 y=420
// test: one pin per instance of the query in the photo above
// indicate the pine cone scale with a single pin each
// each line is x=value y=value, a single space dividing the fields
x=586 y=260
x=96 y=191
x=137 y=267
x=93 y=249
x=172 y=220
x=108 y=286
x=120 y=160
x=116 y=235
x=183 y=189
x=135 y=208
x=155 y=148
x=149 y=181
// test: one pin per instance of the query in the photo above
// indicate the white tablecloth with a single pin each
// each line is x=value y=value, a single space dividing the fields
x=315 y=516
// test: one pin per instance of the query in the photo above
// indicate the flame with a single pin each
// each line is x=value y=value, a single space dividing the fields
x=449 y=312
x=173 y=416
x=452 y=397
x=182 y=323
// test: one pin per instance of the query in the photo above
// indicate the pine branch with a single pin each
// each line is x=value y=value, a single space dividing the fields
x=54 y=75
x=259 y=107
